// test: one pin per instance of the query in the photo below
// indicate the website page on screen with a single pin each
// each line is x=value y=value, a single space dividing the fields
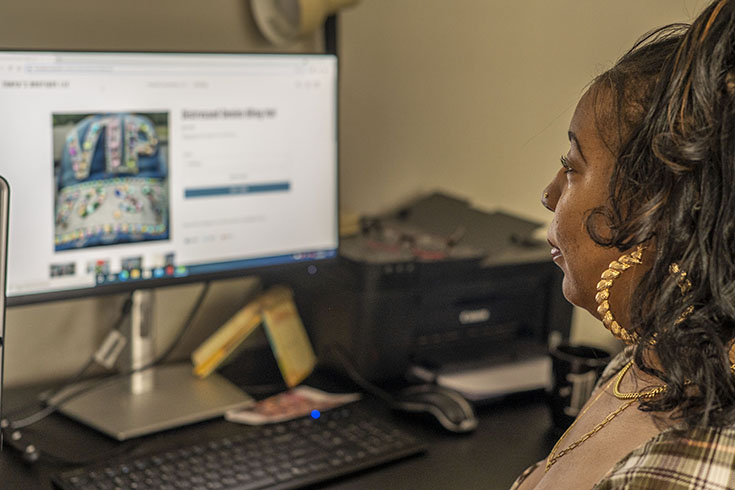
x=126 y=166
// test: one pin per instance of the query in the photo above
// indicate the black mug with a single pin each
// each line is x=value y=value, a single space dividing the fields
x=575 y=370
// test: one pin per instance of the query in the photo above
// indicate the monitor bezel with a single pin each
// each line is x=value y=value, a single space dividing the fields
x=284 y=269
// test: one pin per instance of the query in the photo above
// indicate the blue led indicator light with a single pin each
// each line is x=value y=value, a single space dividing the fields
x=315 y=414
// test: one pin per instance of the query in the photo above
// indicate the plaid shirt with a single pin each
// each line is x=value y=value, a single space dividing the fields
x=693 y=459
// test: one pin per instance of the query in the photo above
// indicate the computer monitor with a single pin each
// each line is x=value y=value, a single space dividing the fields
x=132 y=171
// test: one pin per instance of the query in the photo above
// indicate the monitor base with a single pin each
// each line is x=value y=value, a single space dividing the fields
x=173 y=397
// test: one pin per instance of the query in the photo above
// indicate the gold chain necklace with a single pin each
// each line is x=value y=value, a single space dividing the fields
x=630 y=398
x=635 y=395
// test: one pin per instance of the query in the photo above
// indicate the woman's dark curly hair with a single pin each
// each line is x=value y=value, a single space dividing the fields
x=671 y=102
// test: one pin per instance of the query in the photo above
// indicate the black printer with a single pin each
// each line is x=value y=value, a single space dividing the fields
x=437 y=287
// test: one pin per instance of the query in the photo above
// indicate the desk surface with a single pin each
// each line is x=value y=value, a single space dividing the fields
x=512 y=434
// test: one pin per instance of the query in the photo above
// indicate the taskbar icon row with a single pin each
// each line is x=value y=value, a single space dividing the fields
x=139 y=274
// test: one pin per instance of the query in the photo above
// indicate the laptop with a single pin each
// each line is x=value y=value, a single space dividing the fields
x=4 y=217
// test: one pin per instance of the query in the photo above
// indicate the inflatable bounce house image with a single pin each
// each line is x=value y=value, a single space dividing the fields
x=111 y=180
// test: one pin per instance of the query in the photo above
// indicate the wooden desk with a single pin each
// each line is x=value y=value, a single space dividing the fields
x=511 y=435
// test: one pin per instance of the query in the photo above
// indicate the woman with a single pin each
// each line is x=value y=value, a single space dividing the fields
x=644 y=231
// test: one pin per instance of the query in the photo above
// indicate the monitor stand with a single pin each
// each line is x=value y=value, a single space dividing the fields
x=153 y=399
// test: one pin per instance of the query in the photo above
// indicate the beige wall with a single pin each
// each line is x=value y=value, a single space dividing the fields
x=471 y=96
x=474 y=97
x=133 y=24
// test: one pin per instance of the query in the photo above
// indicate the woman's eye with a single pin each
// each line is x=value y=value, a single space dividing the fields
x=565 y=164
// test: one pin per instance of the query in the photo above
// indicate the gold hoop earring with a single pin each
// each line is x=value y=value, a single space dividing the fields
x=681 y=278
x=684 y=286
x=607 y=278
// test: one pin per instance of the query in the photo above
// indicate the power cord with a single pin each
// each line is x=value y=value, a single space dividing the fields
x=15 y=438
x=49 y=394
x=343 y=356
x=11 y=428
x=184 y=329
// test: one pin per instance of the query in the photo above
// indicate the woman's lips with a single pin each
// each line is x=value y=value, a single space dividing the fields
x=555 y=253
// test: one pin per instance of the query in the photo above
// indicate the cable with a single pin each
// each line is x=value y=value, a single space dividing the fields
x=192 y=313
x=47 y=395
x=30 y=453
x=356 y=377
x=10 y=427
x=52 y=407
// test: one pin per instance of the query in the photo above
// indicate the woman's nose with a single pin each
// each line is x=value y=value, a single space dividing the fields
x=546 y=200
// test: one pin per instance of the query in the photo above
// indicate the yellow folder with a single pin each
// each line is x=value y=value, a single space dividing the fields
x=289 y=341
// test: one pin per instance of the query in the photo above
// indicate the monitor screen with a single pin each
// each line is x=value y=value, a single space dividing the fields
x=133 y=170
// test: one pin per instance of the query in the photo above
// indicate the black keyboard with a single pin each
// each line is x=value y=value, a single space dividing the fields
x=286 y=455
